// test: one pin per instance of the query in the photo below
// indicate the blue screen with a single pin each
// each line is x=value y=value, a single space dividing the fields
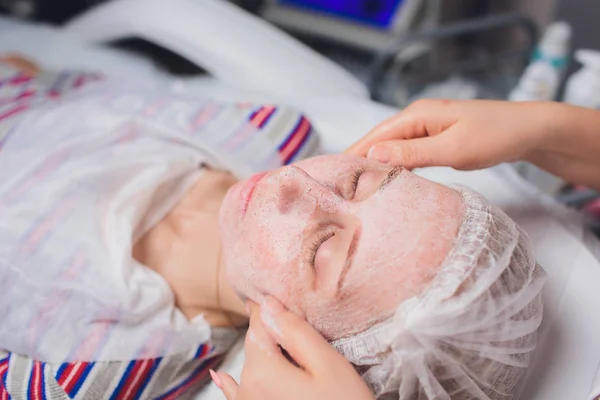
x=377 y=13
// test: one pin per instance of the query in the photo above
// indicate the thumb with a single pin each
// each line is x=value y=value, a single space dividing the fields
x=302 y=342
x=226 y=383
x=442 y=150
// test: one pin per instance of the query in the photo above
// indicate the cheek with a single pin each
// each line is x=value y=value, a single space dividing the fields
x=387 y=266
x=391 y=231
x=264 y=257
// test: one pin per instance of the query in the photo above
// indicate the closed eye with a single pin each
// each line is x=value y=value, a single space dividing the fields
x=355 y=179
x=349 y=184
x=321 y=238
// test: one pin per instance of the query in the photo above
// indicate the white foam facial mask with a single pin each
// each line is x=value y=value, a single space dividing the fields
x=405 y=235
x=283 y=208
x=390 y=241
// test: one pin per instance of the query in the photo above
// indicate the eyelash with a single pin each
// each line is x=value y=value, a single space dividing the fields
x=322 y=238
x=328 y=234
x=355 y=179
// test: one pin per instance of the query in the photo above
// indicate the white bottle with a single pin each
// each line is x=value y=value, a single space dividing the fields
x=583 y=88
x=538 y=83
x=541 y=79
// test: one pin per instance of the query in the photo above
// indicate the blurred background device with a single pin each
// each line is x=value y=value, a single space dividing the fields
x=366 y=24
x=56 y=11
x=402 y=50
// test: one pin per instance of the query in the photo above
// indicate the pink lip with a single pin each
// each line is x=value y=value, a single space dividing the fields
x=248 y=190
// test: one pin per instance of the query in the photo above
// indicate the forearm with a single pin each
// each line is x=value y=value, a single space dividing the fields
x=569 y=145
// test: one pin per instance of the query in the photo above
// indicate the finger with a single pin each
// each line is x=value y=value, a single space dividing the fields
x=269 y=360
x=395 y=128
x=257 y=338
x=226 y=383
x=421 y=119
x=261 y=347
x=442 y=150
x=303 y=343
x=264 y=361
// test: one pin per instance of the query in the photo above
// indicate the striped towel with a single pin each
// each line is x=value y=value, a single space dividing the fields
x=20 y=92
x=246 y=138
x=165 y=378
x=255 y=137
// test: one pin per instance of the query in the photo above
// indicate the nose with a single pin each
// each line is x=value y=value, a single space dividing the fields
x=295 y=188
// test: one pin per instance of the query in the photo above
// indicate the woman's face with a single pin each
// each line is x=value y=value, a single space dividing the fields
x=339 y=240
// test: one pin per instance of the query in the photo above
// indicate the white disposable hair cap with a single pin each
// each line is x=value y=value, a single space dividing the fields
x=472 y=332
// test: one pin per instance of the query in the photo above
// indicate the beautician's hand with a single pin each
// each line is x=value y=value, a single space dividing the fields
x=268 y=375
x=458 y=134
x=465 y=135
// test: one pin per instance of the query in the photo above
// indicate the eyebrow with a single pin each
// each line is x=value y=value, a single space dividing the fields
x=393 y=174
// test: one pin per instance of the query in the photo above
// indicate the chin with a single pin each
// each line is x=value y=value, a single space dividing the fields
x=241 y=287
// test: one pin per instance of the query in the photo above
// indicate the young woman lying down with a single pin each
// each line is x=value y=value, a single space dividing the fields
x=130 y=241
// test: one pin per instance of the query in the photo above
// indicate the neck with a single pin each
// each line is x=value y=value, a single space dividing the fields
x=230 y=303
x=187 y=234
x=225 y=309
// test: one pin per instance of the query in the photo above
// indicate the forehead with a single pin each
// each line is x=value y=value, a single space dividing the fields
x=329 y=167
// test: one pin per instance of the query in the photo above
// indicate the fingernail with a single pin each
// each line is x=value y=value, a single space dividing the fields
x=269 y=310
x=216 y=379
x=379 y=153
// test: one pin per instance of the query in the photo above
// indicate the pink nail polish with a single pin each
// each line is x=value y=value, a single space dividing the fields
x=216 y=379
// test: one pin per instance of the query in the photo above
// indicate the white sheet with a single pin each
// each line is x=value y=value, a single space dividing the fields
x=55 y=50
x=569 y=350
x=569 y=354
x=235 y=46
